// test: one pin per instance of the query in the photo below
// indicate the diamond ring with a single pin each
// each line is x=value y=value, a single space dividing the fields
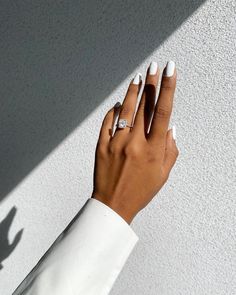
x=122 y=123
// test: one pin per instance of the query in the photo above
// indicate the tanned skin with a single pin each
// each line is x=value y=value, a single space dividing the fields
x=133 y=164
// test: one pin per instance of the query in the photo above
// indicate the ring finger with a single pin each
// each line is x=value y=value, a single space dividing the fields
x=128 y=106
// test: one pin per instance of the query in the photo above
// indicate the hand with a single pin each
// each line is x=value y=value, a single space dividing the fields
x=132 y=165
x=5 y=247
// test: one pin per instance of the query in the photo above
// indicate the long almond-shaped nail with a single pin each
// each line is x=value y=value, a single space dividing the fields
x=137 y=78
x=174 y=132
x=169 y=69
x=153 y=68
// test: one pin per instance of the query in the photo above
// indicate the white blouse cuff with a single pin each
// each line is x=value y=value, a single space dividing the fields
x=87 y=256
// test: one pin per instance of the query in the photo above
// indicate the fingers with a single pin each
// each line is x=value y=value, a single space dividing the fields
x=107 y=124
x=147 y=101
x=161 y=111
x=129 y=105
x=163 y=107
x=7 y=222
x=171 y=152
x=15 y=241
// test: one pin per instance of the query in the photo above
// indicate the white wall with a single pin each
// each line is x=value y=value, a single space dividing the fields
x=187 y=233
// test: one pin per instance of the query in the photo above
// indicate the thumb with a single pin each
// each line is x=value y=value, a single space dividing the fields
x=16 y=240
x=171 y=152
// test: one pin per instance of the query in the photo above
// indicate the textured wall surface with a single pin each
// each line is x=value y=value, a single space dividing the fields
x=63 y=65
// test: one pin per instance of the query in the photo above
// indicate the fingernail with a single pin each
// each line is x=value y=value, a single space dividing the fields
x=174 y=132
x=169 y=69
x=117 y=104
x=137 y=78
x=153 y=68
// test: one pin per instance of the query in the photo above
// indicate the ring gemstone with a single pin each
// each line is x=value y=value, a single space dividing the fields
x=122 y=123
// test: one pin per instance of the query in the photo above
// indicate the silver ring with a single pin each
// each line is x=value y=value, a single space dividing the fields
x=122 y=123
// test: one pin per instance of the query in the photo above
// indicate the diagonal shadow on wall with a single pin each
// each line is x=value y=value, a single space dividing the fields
x=60 y=60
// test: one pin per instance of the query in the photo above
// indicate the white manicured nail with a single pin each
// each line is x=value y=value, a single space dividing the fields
x=174 y=132
x=153 y=68
x=137 y=78
x=169 y=69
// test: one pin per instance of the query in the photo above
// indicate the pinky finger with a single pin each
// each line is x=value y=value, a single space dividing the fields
x=107 y=124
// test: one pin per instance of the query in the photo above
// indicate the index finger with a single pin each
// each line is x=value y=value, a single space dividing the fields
x=163 y=107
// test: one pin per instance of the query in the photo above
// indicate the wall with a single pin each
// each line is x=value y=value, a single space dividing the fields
x=63 y=65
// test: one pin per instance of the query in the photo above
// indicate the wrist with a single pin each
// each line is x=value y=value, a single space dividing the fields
x=118 y=208
x=124 y=213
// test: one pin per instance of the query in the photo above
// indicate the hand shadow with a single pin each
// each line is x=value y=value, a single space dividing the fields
x=5 y=247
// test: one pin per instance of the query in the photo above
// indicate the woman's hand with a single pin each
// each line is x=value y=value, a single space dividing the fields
x=132 y=165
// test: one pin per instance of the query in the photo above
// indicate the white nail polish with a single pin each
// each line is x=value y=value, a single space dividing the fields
x=153 y=68
x=169 y=69
x=137 y=78
x=174 y=132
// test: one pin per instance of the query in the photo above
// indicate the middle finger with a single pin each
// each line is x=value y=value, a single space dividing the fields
x=147 y=101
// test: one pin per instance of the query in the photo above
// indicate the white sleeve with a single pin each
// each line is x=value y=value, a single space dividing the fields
x=87 y=256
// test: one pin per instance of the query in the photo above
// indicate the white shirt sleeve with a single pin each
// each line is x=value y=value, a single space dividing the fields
x=87 y=256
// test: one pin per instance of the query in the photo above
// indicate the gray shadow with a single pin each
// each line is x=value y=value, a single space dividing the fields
x=60 y=59
x=5 y=247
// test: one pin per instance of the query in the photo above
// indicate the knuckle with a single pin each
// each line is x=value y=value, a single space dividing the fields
x=101 y=150
x=142 y=106
x=168 y=84
x=125 y=110
x=162 y=112
x=174 y=153
x=131 y=150
x=162 y=134
x=114 y=149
